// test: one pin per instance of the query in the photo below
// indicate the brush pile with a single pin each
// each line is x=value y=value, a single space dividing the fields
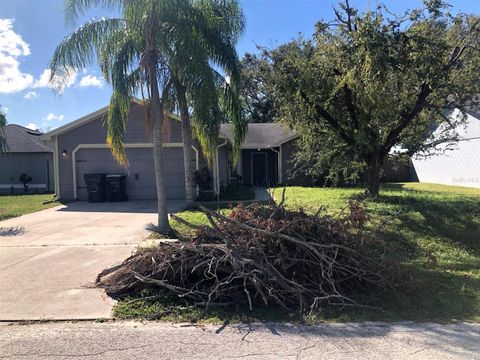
x=258 y=255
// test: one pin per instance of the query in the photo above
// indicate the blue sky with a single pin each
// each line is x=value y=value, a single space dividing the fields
x=31 y=29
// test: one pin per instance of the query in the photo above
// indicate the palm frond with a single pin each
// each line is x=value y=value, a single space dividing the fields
x=201 y=35
x=232 y=109
x=78 y=50
x=126 y=80
x=116 y=124
x=206 y=114
x=73 y=9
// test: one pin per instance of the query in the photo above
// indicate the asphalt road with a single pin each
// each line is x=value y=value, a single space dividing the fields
x=135 y=340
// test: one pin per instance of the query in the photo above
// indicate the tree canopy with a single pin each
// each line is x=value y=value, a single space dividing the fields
x=256 y=89
x=368 y=83
x=192 y=40
x=196 y=61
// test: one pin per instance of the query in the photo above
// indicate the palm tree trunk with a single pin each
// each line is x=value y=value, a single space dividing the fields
x=187 y=144
x=158 y=118
x=150 y=62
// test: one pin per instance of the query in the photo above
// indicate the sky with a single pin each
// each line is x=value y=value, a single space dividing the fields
x=31 y=29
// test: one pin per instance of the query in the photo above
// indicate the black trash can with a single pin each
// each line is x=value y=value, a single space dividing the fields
x=116 y=189
x=95 y=187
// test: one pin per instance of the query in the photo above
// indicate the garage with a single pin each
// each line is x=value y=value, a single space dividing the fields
x=81 y=147
x=140 y=181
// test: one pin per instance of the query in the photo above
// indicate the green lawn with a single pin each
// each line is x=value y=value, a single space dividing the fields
x=433 y=230
x=16 y=205
x=238 y=192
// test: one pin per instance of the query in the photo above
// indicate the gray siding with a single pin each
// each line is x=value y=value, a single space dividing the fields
x=39 y=166
x=224 y=166
x=288 y=150
x=95 y=132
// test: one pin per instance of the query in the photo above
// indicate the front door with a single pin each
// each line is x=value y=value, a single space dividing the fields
x=259 y=169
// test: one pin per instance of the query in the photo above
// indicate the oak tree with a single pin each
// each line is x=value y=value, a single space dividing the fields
x=369 y=83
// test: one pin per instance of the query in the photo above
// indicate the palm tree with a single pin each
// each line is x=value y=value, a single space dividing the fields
x=168 y=48
x=126 y=49
x=205 y=42
x=194 y=37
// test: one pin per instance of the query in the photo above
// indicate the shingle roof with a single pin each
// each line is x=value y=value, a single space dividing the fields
x=260 y=135
x=22 y=139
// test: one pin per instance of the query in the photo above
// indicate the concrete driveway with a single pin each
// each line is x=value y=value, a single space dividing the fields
x=48 y=270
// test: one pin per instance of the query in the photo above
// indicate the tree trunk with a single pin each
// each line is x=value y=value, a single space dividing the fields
x=158 y=117
x=187 y=144
x=150 y=62
x=375 y=164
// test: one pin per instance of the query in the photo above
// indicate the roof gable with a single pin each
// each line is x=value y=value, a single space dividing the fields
x=21 y=140
x=87 y=118
x=260 y=136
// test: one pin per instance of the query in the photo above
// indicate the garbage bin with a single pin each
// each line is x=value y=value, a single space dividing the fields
x=95 y=187
x=116 y=190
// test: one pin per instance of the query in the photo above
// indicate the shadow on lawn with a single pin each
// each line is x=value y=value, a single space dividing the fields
x=451 y=220
x=421 y=226
x=430 y=296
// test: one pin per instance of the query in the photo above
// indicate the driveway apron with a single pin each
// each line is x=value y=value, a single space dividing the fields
x=48 y=269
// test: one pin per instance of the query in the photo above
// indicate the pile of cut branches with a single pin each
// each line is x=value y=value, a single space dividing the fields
x=258 y=255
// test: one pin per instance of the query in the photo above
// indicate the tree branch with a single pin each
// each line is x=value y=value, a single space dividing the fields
x=351 y=26
x=425 y=91
x=407 y=118
x=350 y=105
x=334 y=123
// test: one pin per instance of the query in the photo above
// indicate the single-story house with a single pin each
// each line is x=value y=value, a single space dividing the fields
x=26 y=154
x=80 y=148
x=459 y=165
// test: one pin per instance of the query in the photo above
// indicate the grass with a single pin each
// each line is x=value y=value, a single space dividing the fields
x=17 y=205
x=238 y=192
x=433 y=230
x=194 y=217
x=170 y=309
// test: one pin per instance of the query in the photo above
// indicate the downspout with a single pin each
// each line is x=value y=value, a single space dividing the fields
x=56 y=170
x=217 y=168
x=279 y=163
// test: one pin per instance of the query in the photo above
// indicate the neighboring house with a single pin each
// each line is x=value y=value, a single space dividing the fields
x=458 y=166
x=80 y=148
x=26 y=154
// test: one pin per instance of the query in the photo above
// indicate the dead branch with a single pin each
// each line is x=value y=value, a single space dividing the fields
x=258 y=255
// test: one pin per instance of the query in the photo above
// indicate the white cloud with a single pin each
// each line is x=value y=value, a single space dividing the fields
x=10 y=42
x=90 y=80
x=12 y=46
x=57 y=82
x=53 y=117
x=31 y=95
x=5 y=109
x=32 y=126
